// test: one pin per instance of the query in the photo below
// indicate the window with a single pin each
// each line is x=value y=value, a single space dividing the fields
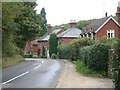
x=110 y=33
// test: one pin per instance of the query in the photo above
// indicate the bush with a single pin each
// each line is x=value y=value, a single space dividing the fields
x=76 y=44
x=116 y=66
x=63 y=51
x=84 y=54
x=54 y=56
x=53 y=44
x=96 y=57
x=71 y=50
x=28 y=56
x=80 y=67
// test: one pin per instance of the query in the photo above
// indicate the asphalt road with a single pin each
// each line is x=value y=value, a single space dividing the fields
x=33 y=73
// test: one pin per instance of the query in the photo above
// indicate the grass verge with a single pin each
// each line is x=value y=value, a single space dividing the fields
x=8 y=61
x=81 y=68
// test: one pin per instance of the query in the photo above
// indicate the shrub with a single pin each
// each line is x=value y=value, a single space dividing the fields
x=96 y=57
x=80 y=67
x=116 y=66
x=28 y=56
x=54 y=56
x=53 y=44
x=63 y=51
x=71 y=50
x=85 y=54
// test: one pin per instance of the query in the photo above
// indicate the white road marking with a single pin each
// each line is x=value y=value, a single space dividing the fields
x=42 y=61
x=20 y=75
x=37 y=67
x=15 y=77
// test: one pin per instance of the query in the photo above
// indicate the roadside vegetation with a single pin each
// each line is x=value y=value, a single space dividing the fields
x=92 y=57
x=20 y=24
x=81 y=68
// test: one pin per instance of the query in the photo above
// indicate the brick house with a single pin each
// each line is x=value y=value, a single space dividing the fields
x=43 y=42
x=70 y=34
x=32 y=47
x=35 y=47
x=107 y=26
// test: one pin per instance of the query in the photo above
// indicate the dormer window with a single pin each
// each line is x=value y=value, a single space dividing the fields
x=111 y=33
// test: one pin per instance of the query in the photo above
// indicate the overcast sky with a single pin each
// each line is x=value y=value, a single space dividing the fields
x=62 y=11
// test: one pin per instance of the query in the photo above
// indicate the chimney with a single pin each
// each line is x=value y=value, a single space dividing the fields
x=106 y=14
x=49 y=28
x=118 y=12
x=73 y=24
x=62 y=26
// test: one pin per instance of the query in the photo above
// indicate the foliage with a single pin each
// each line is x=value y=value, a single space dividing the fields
x=96 y=56
x=28 y=24
x=105 y=40
x=53 y=44
x=28 y=56
x=8 y=61
x=76 y=44
x=63 y=51
x=54 y=56
x=43 y=22
x=81 y=24
x=84 y=23
x=116 y=66
x=80 y=67
x=9 y=12
x=71 y=50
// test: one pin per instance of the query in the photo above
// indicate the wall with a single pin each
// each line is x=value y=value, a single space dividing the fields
x=110 y=25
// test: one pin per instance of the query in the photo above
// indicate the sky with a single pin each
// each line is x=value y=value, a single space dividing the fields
x=62 y=11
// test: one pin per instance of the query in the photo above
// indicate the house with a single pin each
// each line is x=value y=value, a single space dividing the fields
x=107 y=26
x=70 y=34
x=37 y=46
x=32 y=47
x=43 y=42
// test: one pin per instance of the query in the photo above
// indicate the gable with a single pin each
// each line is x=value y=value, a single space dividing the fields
x=110 y=18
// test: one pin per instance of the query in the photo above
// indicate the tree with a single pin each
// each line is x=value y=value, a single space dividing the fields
x=9 y=12
x=28 y=23
x=43 y=22
x=53 y=42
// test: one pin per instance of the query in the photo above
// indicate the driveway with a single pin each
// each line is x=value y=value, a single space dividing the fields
x=72 y=79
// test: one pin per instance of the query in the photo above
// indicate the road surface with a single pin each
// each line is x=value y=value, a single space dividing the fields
x=33 y=73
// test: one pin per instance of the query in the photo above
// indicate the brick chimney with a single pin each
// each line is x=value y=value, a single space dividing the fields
x=106 y=14
x=73 y=24
x=118 y=12
x=49 y=28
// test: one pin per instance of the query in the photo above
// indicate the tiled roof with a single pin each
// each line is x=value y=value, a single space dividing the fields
x=71 y=32
x=46 y=36
x=94 y=25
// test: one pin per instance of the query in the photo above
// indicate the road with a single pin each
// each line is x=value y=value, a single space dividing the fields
x=33 y=73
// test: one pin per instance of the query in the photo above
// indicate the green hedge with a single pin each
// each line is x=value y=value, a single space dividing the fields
x=71 y=50
x=116 y=66
x=95 y=57
x=63 y=51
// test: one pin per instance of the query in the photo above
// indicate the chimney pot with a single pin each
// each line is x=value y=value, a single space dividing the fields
x=118 y=12
x=49 y=27
x=106 y=14
x=73 y=23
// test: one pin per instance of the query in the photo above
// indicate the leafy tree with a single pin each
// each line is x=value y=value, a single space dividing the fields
x=28 y=23
x=53 y=42
x=43 y=22
x=9 y=12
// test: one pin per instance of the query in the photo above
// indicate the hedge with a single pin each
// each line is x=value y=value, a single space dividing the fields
x=71 y=50
x=53 y=42
x=116 y=66
x=63 y=51
x=95 y=57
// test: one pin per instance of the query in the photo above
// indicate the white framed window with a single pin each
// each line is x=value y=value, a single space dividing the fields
x=111 y=33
